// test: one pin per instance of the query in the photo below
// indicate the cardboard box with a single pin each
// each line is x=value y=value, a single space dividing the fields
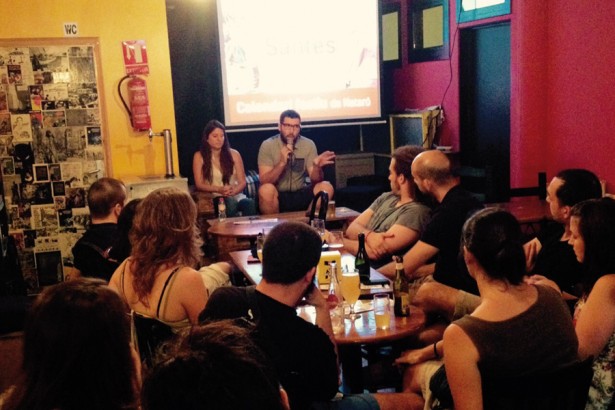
x=323 y=271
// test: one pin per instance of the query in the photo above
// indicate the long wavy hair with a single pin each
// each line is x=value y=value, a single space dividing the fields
x=596 y=221
x=226 y=158
x=77 y=351
x=164 y=233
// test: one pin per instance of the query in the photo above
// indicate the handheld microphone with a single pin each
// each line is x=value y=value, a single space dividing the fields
x=291 y=146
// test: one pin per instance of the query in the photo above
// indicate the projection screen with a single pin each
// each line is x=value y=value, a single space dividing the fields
x=319 y=57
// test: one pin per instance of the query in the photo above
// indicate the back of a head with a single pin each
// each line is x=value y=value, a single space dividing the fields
x=104 y=194
x=77 y=350
x=214 y=366
x=164 y=228
x=435 y=165
x=290 y=251
x=596 y=222
x=494 y=237
x=121 y=246
x=579 y=185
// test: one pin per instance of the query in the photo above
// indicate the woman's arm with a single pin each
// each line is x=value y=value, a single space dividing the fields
x=596 y=321
x=193 y=295
x=240 y=173
x=461 y=362
x=200 y=182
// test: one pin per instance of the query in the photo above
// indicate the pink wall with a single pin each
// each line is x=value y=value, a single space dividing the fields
x=561 y=62
x=581 y=87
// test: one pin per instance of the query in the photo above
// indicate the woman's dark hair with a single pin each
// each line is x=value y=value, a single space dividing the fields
x=121 y=246
x=596 y=227
x=494 y=238
x=213 y=366
x=226 y=158
x=77 y=351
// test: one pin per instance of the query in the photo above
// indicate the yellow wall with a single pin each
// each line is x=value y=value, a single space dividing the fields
x=111 y=21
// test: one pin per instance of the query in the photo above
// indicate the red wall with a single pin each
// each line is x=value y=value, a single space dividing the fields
x=562 y=86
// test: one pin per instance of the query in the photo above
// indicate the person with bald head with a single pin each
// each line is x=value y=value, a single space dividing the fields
x=433 y=176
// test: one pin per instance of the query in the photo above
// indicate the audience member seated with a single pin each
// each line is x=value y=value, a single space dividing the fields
x=158 y=280
x=77 y=351
x=517 y=330
x=218 y=169
x=105 y=199
x=215 y=366
x=593 y=240
x=396 y=219
x=284 y=162
x=549 y=254
x=304 y=354
x=432 y=174
x=120 y=250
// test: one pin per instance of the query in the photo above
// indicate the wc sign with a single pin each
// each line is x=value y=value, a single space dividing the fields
x=70 y=29
x=135 y=57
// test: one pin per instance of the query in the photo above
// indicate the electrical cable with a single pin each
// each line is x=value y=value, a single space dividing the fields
x=450 y=57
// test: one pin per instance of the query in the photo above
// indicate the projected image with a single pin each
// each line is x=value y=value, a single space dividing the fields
x=310 y=56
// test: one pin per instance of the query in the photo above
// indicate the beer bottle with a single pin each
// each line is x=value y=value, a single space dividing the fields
x=361 y=261
x=401 y=297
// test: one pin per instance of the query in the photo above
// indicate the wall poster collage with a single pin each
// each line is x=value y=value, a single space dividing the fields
x=51 y=149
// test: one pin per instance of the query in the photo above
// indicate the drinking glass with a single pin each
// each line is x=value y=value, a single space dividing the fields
x=335 y=240
x=337 y=318
x=319 y=227
x=382 y=310
x=351 y=289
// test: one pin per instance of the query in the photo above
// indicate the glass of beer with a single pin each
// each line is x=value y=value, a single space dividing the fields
x=351 y=289
x=382 y=310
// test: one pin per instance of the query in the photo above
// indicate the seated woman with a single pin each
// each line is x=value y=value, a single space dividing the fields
x=593 y=241
x=77 y=351
x=506 y=336
x=158 y=280
x=218 y=169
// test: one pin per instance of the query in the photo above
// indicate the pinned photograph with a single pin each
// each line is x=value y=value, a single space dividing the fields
x=55 y=172
x=22 y=129
x=8 y=166
x=58 y=188
x=94 y=137
x=41 y=173
x=49 y=268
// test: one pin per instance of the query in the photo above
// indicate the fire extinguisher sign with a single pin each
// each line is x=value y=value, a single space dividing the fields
x=135 y=57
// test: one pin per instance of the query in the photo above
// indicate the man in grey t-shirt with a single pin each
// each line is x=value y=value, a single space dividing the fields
x=284 y=162
x=395 y=220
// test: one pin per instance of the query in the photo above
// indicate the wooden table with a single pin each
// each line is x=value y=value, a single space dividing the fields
x=531 y=212
x=252 y=271
x=363 y=332
x=237 y=233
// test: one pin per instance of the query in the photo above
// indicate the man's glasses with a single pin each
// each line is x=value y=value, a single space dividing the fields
x=291 y=126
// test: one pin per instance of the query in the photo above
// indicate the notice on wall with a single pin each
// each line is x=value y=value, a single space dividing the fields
x=135 y=57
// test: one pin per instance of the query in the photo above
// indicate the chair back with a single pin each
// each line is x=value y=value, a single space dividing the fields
x=563 y=389
x=150 y=334
x=324 y=204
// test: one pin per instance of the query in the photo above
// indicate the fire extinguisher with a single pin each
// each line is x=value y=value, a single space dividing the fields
x=139 y=103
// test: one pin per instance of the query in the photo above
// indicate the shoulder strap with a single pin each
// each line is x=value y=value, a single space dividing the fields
x=102 y=252
x=122 y=278
x=164 y=288
x=254 y=312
